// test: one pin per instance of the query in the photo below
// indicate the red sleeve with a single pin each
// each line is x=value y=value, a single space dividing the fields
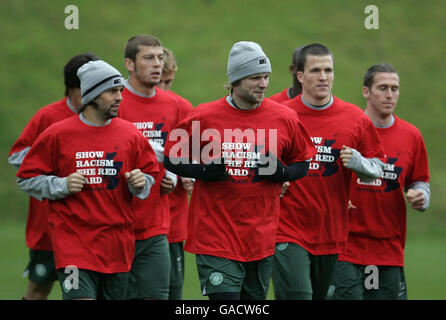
x=370 y=145
x=302 y=147
x=29 y=134
x=420 y=168
x=39 y=159
x=145 y=158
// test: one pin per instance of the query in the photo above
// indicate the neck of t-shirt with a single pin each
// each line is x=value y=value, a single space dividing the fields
x=92 y=124
x=386 y=125
x=231 y=102
x=322 y=107
x=70 y=105
x=139 y=94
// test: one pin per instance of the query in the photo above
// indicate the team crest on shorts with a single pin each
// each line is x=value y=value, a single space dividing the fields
x=281 y=246
x=40 y=269
x=216 y=278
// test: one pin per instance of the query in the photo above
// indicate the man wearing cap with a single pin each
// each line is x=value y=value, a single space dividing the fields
x=242 y=148
x=40 y=268
x=90 y=166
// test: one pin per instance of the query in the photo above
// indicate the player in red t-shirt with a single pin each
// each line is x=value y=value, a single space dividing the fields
x=313 y=216
x=178 y=199
x=377 y=217
x=155 y=113
x=90 y=166
x=240 y=148
x=296 y=88
x=42 y=273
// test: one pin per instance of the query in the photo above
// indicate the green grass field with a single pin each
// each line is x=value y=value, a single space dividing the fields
x=36 y=45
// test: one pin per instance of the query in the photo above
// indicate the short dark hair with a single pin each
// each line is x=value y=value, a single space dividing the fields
x=71 y=79
x=132 y=49
x=314 y=49
x=369 y=77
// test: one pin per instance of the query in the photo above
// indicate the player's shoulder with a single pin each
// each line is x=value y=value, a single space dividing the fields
x=280 y=108
x=165 y=96
x=52 y=108
x=407 y=127
x=348 y=106
x=184 y=103
x=61 y=127
x=210 y=107
x=124 y=124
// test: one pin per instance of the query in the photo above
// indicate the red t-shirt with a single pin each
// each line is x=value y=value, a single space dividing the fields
x=92 y=229
x=314 y=209
x=237 y=219
x=154 y=117
x=178 y=198
x=282 y=96
x=38 y=235
x=377 y=230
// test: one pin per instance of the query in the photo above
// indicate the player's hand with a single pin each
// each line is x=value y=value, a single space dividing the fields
x=136 y=178
x=285 y=186
x=167 y=185
x=346 y=155
x=415 y=198
x=351 y=206
x=75 y=182
x=188 y=184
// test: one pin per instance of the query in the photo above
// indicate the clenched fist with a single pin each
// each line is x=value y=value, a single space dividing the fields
x=346 y=155
x=188 y=184
x=75 y=182
x=136 y=178
x=416 y=198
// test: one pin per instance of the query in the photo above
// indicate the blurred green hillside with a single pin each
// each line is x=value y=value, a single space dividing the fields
x=36 y=46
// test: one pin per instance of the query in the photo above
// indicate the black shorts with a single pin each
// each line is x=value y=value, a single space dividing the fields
x=41 y=268
x=359 y=282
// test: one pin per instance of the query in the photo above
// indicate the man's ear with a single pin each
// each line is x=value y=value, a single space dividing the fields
x=299 y=76
x=366 y=92
x=129 y=64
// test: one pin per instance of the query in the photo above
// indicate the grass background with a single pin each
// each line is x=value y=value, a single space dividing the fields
x=36 y=46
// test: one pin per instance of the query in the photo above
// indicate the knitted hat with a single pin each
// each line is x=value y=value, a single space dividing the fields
x=96 y=77
x=245 y=59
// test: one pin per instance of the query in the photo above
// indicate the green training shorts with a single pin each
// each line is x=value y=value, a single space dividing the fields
x=300 y=275
x=81 y=283
x=220 y=275
x=176 y=271
x=150 y=274
x=41 y=268
x=357 y=282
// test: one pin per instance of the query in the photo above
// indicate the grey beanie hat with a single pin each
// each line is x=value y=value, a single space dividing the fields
x=96 y=77
x=245 y=59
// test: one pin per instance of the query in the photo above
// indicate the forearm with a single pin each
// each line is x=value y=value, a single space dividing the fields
x=367 y=169
x=184 y=169
x=16 y=159
x=172 y=176
x=291 y=172
x=45 y=187
x=143 y=193
x=423 y=187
